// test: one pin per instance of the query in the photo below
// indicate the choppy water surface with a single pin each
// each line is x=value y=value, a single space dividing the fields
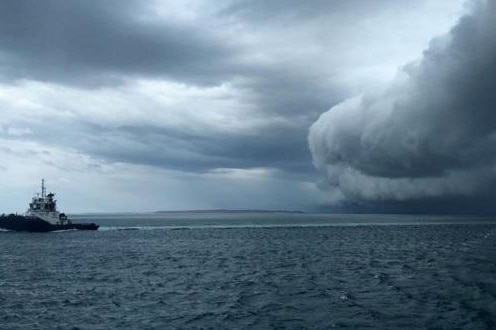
x=252 y=271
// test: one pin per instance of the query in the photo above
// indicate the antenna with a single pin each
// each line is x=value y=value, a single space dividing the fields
x=43 y=188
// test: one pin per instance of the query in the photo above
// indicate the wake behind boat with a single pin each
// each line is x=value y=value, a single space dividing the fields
x=42 y=216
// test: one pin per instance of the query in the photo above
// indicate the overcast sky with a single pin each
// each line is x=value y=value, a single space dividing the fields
x=166 y=105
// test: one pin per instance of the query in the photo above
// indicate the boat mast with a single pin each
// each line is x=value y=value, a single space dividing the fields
x=43 y=188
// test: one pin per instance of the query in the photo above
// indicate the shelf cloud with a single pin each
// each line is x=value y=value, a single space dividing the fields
x=430 y=133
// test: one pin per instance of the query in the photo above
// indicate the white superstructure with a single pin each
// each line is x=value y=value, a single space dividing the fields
x=45 y=208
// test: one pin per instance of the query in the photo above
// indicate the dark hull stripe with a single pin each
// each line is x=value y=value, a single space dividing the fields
x=32 y=224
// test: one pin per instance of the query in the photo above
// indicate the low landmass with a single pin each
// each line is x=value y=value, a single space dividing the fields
x=231 y=211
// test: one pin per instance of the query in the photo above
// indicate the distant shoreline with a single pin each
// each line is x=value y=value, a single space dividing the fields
x=229 y=211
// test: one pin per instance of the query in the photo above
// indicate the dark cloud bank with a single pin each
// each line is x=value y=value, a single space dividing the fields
x=93 y=43
x=428 y=141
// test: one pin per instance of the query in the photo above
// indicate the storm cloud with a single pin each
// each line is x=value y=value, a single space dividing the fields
x=431 y=133
x=159 y=94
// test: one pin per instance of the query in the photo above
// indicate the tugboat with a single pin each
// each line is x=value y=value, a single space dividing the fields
x=42 y=216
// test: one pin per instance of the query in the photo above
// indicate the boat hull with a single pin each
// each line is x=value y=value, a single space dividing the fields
x=32 y=224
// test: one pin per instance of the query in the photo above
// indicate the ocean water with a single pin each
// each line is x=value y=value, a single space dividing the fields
x=252 y=271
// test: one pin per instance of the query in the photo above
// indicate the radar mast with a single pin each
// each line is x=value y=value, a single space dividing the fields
x=43 y=189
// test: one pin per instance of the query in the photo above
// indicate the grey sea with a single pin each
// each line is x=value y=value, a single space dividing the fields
x=252 y=271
